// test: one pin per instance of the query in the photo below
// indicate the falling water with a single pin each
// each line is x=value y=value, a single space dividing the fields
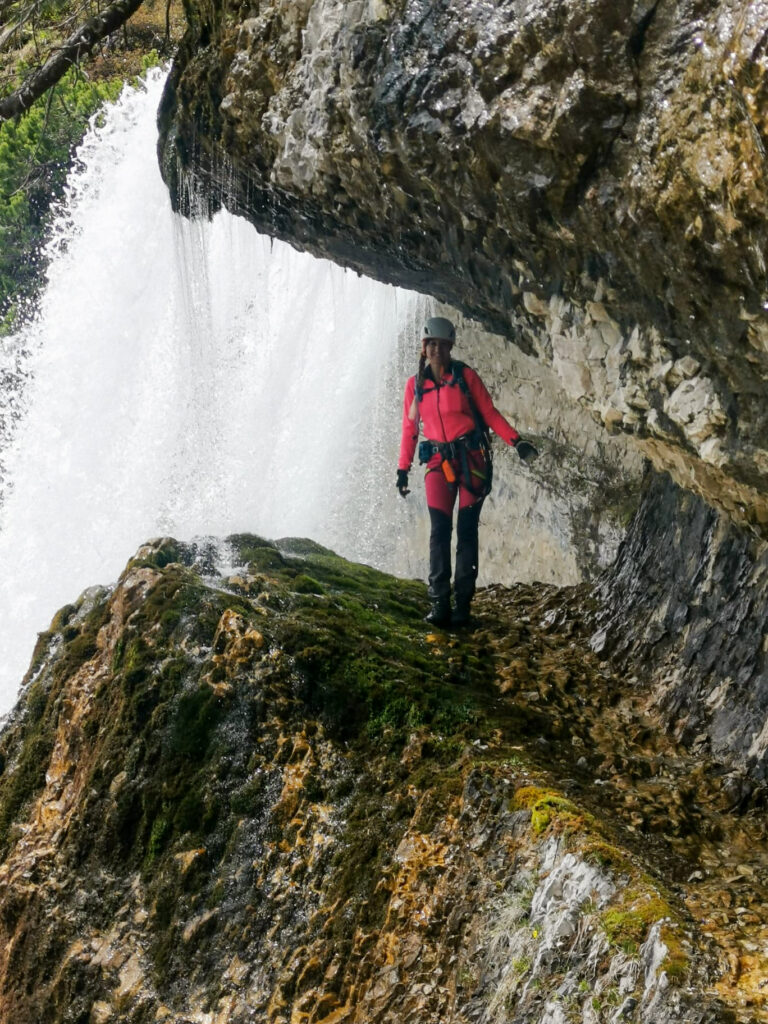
x=189 y=378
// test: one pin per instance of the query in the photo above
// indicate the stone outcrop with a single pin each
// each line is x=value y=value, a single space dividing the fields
x=685 y=603
x=588 y=180
x=274 y=795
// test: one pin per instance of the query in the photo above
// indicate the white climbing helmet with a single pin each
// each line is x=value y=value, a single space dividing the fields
x=437 y=327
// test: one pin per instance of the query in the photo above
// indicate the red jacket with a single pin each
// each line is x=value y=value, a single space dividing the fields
x=445 y=413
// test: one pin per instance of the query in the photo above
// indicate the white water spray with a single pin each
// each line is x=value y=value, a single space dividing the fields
x=191 y=378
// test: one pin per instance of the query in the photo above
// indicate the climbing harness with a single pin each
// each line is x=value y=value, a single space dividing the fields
x=458 y=450
x=450 y=449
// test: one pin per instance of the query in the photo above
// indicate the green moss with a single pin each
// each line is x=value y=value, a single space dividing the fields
x=177 y=591
x=39 y=654
x=249 y=799
x=80 y=642
x=442 y=790
x=398 y=715
x=192 y=768
x=304 y=584
x=165 y=553
x=606 y=855
x=25 y=779
x=367 y=671
x=24 y=774
x=62 y=617
x=196 y=717
x=25 y=755
x=119 y=651
x=547 y=808
x=627 y=925
x=255 y=552
x=627 y=922
x=676 y=964
x=136 y=662
x=160 y=833
x=302 y=546
x=372 y=833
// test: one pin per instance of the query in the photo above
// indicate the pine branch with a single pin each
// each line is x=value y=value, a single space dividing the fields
x=79 y=45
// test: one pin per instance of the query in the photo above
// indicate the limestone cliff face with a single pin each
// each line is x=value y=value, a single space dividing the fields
x=273 y=795
x=589 y=181
x=586 y=179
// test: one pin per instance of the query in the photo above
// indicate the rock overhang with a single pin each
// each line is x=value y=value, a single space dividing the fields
x=588 y=180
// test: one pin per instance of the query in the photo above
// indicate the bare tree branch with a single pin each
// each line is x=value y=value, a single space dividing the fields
x=79 y=45
x=29 y=17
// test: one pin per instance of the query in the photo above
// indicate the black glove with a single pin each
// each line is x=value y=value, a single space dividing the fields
x=526 y=451
x=402 y=481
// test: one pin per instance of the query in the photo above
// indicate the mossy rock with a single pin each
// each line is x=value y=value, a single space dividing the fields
x=205 y=775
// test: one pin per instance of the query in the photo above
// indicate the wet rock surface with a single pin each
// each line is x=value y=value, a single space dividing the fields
x=677 y=808
x=274 y=795
x=586 y=179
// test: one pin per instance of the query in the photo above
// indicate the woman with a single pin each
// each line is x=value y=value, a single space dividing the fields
x=455 y=411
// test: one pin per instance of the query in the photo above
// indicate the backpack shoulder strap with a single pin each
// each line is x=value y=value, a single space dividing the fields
x=458 y=369
x=419 y=389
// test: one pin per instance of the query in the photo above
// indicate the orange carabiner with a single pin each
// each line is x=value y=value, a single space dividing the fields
x=450 y=476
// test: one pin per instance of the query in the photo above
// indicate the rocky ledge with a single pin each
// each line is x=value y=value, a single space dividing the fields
x=587 y=179
x=268 y=792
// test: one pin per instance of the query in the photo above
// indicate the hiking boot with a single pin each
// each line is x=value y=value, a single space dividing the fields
x=460 y=615
x=439 y=614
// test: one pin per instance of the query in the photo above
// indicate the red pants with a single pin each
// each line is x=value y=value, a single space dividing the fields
x=441 y=494
x=441 y=498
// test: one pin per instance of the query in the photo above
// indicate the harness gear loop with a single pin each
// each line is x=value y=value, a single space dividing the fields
x=448 y=472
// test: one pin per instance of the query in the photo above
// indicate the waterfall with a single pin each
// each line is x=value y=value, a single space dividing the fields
x=189 y=378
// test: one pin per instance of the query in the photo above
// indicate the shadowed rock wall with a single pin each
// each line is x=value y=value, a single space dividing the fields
x=685 y=604
x=588 y=179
